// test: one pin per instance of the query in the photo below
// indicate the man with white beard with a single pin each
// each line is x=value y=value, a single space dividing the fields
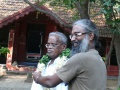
x=85 y=70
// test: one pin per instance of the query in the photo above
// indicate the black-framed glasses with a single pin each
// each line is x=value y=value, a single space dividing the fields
x=77 y=34
x=53 y=45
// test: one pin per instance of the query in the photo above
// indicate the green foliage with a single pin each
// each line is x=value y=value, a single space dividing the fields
x=4 y=51
x=111 y=10
x=69 y=3
x=92 y=1
x=104 y=58
x=42 y=2
x=66 y=52
x=45 y=59
x=118 y=88
x=76 y=16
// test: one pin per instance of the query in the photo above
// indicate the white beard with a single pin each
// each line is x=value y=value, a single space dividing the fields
x=83 y=46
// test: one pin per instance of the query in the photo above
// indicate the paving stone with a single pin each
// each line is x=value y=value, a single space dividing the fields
x=19 y=82
x=14 y=82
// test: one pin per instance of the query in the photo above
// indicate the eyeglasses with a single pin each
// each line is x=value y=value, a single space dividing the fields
x=53 y=45
x=77 y=34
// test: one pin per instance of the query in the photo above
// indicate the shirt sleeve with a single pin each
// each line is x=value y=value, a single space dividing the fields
x=71 y=69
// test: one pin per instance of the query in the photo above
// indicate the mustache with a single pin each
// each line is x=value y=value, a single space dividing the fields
x=75 y=42
x=50 y=50
x=74 y=50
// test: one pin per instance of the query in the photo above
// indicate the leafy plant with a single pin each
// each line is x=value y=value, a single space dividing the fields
x=4 y=51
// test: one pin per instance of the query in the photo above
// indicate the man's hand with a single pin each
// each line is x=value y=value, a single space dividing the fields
x=46 y=81
x=36 y=75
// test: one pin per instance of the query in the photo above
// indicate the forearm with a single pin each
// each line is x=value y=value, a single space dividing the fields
x=47 y=81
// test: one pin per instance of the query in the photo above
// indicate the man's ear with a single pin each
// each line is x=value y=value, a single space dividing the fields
x=91 y=35
x=64 y=46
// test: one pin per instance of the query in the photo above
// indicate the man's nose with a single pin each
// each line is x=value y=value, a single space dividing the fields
x=50 y=46
x=73 y=38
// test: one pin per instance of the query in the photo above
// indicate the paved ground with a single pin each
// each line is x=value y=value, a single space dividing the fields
x=21 y=82
x=14 y=82
x=111 y=84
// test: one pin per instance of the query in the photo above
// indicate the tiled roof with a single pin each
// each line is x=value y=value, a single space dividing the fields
x=97 y=17
x=10 y=7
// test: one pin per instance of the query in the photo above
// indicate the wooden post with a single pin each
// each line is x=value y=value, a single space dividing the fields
x=10 y=47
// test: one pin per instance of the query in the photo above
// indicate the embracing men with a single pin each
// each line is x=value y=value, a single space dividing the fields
x=85 y=69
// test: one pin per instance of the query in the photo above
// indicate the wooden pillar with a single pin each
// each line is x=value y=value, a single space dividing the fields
x=16 y=41
x=21 y=55
x=107 y=49
x=10 y=47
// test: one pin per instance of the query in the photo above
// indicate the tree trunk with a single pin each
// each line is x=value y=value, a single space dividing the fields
x=82 y=8
x=117 y=49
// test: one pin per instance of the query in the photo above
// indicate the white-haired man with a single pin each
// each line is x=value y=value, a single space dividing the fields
x=56 y=56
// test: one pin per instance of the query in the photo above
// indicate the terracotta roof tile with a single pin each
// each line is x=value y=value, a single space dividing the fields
x=10 y=7
x=97 y=17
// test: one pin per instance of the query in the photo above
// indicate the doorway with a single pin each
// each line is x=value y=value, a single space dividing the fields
x=35 y=41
